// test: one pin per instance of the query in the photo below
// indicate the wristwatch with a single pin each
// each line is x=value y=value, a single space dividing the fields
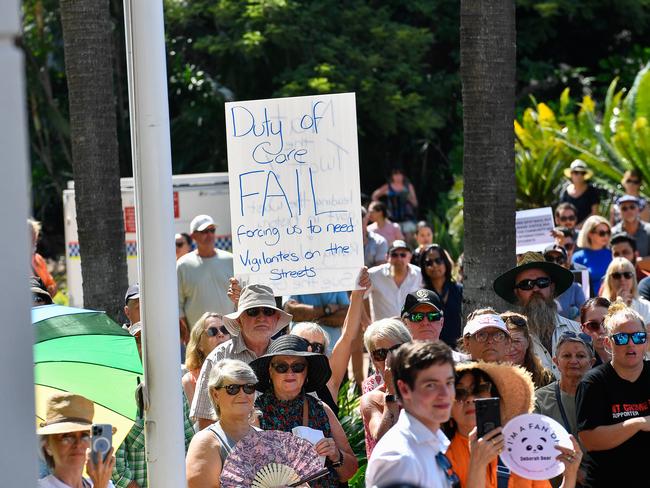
x=327 y=310
x=338 y=463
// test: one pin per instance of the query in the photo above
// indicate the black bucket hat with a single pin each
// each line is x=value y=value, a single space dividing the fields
x=504 y=285
x=318 y=366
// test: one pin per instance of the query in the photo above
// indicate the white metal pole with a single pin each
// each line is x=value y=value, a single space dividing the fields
x=18 y=462
x=152 y=174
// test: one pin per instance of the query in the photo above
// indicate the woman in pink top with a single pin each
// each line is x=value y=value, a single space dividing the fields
x=382 y=225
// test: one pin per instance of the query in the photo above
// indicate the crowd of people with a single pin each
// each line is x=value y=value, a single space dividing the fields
x=255 y=361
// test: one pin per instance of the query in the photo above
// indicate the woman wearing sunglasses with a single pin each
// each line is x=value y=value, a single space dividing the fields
x=620 y=284
x=232 y=392
x=436 y=266
x=513 y=386
x=594 y=252
x=592 y=315
x=379 y=407
x=612 y=404
x=207 y=333
x=287 y=373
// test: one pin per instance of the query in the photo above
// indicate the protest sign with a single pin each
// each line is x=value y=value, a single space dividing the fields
x=295 y=198
x=534 y=229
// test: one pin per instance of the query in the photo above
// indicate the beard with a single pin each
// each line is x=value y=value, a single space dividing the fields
x=541 y=314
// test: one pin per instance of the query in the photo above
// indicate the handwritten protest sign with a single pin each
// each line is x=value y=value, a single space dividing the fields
x=295 y=198
x=534 y=229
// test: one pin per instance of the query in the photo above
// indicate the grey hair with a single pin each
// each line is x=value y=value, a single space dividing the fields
x=229 y=371
x=42 y=443
x=392 y=329
x=311 y=327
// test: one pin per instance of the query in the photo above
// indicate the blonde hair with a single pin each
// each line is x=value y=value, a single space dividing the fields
x=620 y=265
x=391 y=329
x=617 y=313
x=590 y=224
x=194 y=357
x=229 y=371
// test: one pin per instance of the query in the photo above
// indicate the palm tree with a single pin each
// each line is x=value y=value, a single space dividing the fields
x=487 y=67
x=87 y=44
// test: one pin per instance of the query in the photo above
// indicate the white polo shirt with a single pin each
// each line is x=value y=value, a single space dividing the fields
x=407 y=454
x=386 y=298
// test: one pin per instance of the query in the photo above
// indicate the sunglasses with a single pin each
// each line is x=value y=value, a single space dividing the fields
x=622 y=338
x=431 y=262
x=540 y=283
x=419 y=316
x=625 y=208
x=593 y=325
x=317 y=347
x=398 y=254
x=586 y=338
x=445 y=464
x=180 y=243
x=555 y=259
x=214 y=331
x=211 y=230
x=567 y=218
x=463 y=394
x=497 y=336
x=381 y=354
x=282 y=368
x=601 y=233
x=255 y=311
x=574 y=172
x=625 y=274
x=232 y=390
x=633 y=182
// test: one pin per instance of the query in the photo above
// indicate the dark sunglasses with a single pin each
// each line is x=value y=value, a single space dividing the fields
x=625 y=208
x=211 y=230
x=445 y=464
x=593 y=325
x=633 y=182
x=601 y=233
x=555 y=259
x=233 y=390
x=317 y=347
x=625 y=274
x=431 y=262
x=419 y=316
x=255 y=311
x=180 y=243
x=567 y=218
x=622 y=338
x=540 y=283
x=398 y=254
x=282 y=368
x=214 y=331
x=463 y=394
x=586 y=338
x=381 y=354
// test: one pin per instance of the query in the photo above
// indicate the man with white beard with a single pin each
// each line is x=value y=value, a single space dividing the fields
x=533 y=285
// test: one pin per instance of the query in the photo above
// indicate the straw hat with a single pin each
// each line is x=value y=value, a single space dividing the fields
x=67 y=412
x=514 y=383
x=578 y=165
x=253 y=296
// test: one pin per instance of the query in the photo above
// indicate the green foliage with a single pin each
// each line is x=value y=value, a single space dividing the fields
x=448 y=230
x=352 y=423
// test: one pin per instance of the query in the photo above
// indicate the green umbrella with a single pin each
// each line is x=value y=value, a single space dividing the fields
x=86 y=352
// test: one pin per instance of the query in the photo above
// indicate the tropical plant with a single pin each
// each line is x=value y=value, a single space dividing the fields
x=352 y=423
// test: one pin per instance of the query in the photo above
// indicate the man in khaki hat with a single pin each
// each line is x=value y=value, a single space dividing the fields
x=251 y=327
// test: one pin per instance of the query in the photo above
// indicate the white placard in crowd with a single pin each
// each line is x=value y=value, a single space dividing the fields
x=295 y=198
x=534 y=229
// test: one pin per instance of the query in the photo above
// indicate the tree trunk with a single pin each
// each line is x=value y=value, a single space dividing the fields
x=95 y=162
x=488 y=52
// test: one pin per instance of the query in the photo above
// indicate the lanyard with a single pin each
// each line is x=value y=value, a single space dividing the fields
x=558 y=397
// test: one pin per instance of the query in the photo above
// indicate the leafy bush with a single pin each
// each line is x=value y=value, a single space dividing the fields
x=352 y=423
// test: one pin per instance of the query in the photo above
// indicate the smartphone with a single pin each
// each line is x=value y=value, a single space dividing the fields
x=101 y=441
x=488 y=415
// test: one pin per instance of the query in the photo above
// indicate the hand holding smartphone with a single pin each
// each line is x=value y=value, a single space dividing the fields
x=488 y=415
x=101 y=441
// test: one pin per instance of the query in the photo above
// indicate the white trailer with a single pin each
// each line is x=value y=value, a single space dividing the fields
x=194 y=194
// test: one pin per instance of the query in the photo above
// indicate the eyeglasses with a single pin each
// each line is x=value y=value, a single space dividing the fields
x=540 y=283
x=431 y=316
x=625 y=274
x=497 y=336
x=555 y=259
x=431 y=262
x=445 y=465
x=380 y=355
x=567 y=218
x=568 y=335
x=71 y=439
x=282 y=368
x=398 y=254
x=622 y=338
x=593 y=325
x=625 y=208
x=601 y=233
x=180 y=243
x=463 y=394
x=214 y=331
x=232 y=390
x=633 y=182
x=255 y=311
x=211 y=230
x=317 y=347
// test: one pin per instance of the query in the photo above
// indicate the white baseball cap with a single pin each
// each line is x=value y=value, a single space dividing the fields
x=481 y=322
x=200 y=223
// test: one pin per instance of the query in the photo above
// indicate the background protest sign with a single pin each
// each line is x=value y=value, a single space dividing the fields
x=295 y=198
x=534 y=229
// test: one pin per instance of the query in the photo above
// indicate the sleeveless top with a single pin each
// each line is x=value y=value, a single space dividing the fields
x=226 y=444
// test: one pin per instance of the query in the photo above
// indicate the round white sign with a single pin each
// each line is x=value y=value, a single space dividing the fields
x=530 y=446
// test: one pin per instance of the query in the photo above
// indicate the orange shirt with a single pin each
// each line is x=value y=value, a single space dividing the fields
x=40 y=269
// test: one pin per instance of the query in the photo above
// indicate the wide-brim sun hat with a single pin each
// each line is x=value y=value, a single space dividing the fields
x=318 y=366
x=580 y=166
x=253 y=296
x=67 y=412
x=504 y=285
x=515 y=385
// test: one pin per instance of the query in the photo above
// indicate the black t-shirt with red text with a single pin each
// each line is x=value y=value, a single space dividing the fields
x=604 y=398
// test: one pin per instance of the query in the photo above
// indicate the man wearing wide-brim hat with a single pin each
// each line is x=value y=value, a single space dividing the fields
x=533 y=285
x=256 y=320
